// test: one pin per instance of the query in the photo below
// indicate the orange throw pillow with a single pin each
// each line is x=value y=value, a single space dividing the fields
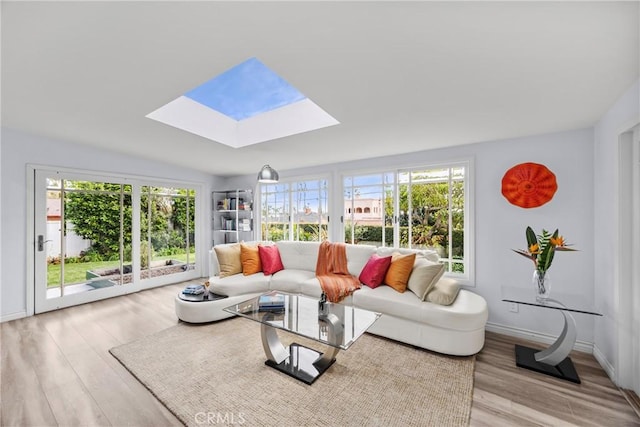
x=399 y=271
x=250 y=258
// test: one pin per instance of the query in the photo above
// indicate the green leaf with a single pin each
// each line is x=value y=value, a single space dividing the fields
x=546 y=256
x=531 y=237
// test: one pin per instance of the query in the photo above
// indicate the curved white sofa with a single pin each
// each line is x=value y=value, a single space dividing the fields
x=457 y=329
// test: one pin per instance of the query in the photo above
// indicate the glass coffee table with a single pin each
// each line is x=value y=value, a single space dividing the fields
x=554 y=360
x=336 y=326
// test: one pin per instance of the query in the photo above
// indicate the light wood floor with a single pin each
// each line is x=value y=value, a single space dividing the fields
x=56 y=370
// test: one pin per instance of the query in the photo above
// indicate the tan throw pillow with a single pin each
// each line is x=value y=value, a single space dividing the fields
x=250 y=258
x=229 y=259
x=399 y=271
x=444 y=292
x=424 y=276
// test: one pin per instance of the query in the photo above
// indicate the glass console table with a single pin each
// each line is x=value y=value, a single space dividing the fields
x=337 y=326
x=554 y=360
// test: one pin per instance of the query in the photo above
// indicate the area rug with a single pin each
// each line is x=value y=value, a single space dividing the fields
x=215 y=374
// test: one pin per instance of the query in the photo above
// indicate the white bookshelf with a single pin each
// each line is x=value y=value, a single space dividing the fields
x=232 y=216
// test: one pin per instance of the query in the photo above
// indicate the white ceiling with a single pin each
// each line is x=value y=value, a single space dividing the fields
x=400 y=77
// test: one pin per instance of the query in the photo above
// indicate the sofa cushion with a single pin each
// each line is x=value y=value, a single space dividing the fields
x=311 y=287
x=299 y=255
x=374 y=271
x=228 y=259
x=399 y=271
x=357 y=257
x=467 y=313
x=444 y=292
x=291 y=280
x=424 y=276
x=270 y=259
x=239 y=284
x=429 y=254
x=250 y=258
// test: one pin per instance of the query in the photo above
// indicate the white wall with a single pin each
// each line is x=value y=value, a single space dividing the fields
x=623 y=115
x=20 y=149
x=499 y=226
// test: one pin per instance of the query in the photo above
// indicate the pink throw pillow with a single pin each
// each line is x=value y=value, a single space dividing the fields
x=373 y=273
x=270 y=259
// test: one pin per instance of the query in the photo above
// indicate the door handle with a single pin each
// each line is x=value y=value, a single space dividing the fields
x=41 y=242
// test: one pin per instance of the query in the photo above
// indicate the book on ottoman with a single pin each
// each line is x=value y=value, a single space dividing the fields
x=193 y=290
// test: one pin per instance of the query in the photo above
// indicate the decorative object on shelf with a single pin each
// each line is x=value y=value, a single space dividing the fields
x=268 y=175
x=541 y=249
x=529 y=185
x=206 y=289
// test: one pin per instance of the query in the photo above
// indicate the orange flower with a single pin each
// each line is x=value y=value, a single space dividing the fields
x=558 y=241
x=534 y=249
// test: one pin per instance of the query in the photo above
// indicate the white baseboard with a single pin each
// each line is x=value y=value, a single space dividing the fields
x=608 y=367
x=13 y=316
x=583 y=346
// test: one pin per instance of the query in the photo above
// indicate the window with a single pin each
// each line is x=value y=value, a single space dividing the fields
x=367 y=190
x=425 y=207
x=295 y=211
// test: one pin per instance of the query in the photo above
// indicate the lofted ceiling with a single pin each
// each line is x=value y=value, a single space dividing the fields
x=398 y=76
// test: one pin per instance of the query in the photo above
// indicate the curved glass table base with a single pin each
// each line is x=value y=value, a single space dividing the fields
x=554 y=360
x=334 y=326
x=560 y=349
x=298 y=361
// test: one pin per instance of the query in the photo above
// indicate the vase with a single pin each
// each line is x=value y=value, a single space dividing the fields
x=542 y=284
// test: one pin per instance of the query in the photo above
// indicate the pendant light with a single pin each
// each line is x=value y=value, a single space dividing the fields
x=268 y=175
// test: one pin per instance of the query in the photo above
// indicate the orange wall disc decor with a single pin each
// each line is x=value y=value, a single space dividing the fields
x=529 y=185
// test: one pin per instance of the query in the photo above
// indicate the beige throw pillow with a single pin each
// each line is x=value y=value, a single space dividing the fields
x=444 y=292
x=229 y=259
x=424 y=276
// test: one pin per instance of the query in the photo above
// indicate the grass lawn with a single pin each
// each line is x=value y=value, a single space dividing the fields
x=77 y=272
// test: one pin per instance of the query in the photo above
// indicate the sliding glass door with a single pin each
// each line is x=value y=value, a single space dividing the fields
x=166 y=231
x=97 y=237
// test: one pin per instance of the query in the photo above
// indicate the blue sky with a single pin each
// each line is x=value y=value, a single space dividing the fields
x=246 y=90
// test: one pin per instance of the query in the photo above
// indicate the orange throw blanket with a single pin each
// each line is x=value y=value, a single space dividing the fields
x=332 y=272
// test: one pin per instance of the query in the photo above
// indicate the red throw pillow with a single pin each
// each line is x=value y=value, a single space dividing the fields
x=270 y=259
x=373 y=273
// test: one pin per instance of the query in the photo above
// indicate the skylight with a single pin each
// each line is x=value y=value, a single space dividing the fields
x=244 y=105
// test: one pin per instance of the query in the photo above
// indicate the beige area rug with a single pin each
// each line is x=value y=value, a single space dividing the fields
x=215 y=374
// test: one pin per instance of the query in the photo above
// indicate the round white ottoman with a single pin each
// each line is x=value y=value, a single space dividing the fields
x=202 y=311
x=208 y=311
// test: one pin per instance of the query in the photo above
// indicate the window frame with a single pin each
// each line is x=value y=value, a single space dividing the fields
x=468 y=277
x=292 y=190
